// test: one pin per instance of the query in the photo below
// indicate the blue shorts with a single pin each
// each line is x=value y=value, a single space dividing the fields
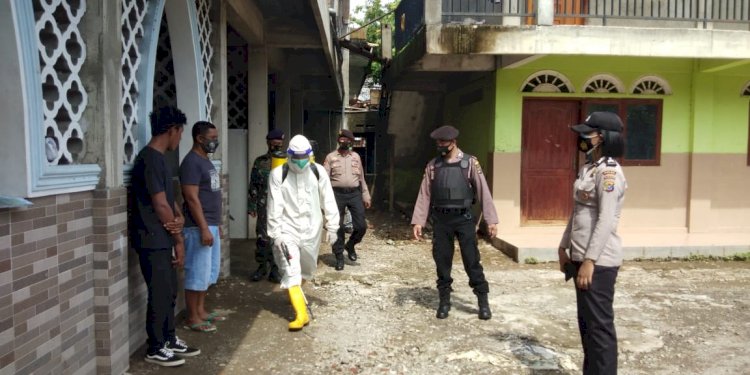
x=201 y=262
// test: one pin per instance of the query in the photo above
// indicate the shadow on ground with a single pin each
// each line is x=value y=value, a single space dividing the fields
x=244 y=301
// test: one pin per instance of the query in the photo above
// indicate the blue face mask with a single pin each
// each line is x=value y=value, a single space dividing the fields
x=301 y=163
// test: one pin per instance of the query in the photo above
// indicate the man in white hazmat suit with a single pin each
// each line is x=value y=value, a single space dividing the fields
x=297 y=193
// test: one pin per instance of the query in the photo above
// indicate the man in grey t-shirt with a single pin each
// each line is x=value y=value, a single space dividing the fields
x=201 y=188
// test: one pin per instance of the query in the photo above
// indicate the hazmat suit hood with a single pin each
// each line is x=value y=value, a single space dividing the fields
x=299 y=146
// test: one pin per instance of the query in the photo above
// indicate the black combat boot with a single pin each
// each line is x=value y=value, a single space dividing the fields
x=484 y=307
x=274 y=276
x=339 y=262
x=260 y=272
x=445 y=304
x=351 y=253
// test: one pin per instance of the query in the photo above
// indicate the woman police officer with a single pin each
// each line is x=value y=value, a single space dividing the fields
x=591 y=236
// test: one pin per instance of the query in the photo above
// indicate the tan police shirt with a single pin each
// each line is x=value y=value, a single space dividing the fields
x=346 y=171
x=478 y=182
x=598 y=193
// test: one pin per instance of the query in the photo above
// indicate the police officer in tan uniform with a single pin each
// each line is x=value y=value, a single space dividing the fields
x=350 y=188
x=591 y=236
x=452 y=182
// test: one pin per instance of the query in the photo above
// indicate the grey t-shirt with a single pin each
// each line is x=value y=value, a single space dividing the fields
x=197 y=170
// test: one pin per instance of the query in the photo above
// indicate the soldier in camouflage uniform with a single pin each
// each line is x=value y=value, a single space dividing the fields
x=256 y=207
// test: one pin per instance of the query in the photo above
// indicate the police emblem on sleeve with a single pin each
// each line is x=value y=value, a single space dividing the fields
x=476 y=165
x=609 y=181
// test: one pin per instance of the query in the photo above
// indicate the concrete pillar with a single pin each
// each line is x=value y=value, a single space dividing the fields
x=297 y=112
x=283 y=104
x=257 y=99
x=433 y=12
x=220 y=117
x=701 y=170
x=545 y=13
x=257 y=102
x=387 y=48
x=109 y=207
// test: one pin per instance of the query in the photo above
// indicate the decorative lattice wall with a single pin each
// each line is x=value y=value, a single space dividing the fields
x=204 y=28
x=131 y=21
x=237 y=87
x=62 y=53
x=165 y=91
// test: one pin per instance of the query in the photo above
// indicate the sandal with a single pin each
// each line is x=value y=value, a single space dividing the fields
x=215 y=317
x=201 y=327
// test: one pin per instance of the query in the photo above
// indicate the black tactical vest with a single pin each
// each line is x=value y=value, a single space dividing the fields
x=451 y=187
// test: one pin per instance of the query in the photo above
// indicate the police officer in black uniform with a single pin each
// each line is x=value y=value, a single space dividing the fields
x=452 y=182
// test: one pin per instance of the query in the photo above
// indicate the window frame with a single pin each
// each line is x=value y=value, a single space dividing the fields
x=42 y=178
x=623 y=105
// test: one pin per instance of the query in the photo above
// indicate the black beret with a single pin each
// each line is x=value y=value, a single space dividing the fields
x=275 y=134
x=444 y=133
x=346 y=133
x=599 y=121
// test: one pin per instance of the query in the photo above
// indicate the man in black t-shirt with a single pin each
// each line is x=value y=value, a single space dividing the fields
x=156 y=235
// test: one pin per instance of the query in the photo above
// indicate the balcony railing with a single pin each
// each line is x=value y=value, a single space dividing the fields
x=717 y=14
x=581 y=12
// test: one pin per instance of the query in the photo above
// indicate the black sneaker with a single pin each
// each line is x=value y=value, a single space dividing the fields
x=181 y=349
x=164 y=357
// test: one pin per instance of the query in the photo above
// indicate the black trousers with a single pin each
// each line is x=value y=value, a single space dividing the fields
x=446 y=227
x=263 y=252
x=596 y=322
x=161 y=281
x=352 y=200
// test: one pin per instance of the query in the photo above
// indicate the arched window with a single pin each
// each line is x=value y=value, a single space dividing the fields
x=548 y=81
x=603 y=84
x=651 y=85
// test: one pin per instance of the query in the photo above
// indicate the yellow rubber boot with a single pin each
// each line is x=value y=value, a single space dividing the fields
x=298 y=302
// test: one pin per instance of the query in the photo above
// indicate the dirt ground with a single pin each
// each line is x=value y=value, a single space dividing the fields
x=377 y=316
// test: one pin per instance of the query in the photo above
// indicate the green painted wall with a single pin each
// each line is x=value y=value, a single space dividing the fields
x=475 y=121
x=721 y=114
x=716 y=92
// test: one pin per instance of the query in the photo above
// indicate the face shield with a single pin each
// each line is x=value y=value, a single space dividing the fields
x=300 y=152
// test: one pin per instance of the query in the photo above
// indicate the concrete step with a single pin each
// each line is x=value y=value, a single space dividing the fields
x=541 y=244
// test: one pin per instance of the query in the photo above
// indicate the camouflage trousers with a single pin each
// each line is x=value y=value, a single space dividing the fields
x=263 y=252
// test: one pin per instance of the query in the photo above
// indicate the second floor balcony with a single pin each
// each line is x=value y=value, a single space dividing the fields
x=667 y=28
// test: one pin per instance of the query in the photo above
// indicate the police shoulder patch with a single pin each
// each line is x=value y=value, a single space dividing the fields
x=609 y=178
x=609 y=186
x=476 y=165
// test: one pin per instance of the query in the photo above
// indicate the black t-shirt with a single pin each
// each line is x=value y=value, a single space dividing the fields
x=197 y=170
x=150 y=176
